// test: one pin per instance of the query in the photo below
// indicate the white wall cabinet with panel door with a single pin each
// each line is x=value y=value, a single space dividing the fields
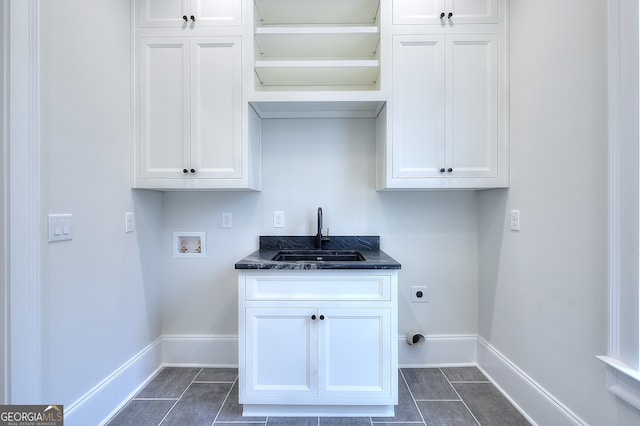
x=444 y=106
x=190 y=114
x=445 y=12
x=318 y=342
x=189 y=13
x=446 y=124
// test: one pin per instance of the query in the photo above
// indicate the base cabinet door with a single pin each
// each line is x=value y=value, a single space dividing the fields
x=307 y=353
x=354 y=353
x=281 y=347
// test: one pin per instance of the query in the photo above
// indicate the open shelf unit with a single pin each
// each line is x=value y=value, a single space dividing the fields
x=309 y=45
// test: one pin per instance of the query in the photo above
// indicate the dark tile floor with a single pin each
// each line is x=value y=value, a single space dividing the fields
x=427 y=396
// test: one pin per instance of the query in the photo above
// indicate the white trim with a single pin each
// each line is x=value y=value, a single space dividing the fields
x=623 y=380
x=279 y=410
x=200 y=351
x=222 y=351
x=4 y=321
x=621 y=367
x=613 y=58
x=535 y=403
x=22 y=205
x=438 y=351
x=97 y=405
x=530 y=398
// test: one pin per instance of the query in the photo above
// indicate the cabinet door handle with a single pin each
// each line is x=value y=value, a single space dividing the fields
x=442 y=15
x=313 y=317
x=193 y=170
x=185 y=171
x=449 y=169
x=442 y=170
x=450 y=15
x=321 y=317
x=193 y=18
x=185 y=18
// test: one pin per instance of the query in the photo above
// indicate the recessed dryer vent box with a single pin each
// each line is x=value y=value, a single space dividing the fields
x=189 y=244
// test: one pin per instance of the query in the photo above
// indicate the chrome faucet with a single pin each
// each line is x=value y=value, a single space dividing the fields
x=319 y=234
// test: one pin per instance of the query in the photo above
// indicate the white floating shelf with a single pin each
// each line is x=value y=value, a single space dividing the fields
x=317 y=42
x=318 y=73
x=317 y=109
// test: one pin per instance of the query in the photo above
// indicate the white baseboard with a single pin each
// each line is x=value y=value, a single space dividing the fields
x=535 y=402
x=101 y=402
x=438 y=351
x=106 y=398
x=200 y=351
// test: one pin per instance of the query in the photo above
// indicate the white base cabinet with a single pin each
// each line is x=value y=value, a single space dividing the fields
x=318 y=342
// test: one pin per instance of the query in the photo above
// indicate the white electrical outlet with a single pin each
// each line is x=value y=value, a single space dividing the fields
x=129 y=222
x=278 y=219
x=227 y=220
x=419 y=294
x=514 y=223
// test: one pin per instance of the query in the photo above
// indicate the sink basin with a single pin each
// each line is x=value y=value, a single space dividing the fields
x=318 y=256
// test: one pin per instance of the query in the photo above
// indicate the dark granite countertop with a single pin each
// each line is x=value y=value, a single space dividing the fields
x=369 y=246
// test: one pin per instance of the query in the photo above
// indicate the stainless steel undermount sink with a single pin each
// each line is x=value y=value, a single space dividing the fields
x=318 y=256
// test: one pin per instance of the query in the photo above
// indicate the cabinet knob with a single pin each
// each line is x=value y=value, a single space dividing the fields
x=193 y=18
x=442 y=15
x=449 y=169
x=450 y=15
x=442 y=170
x=321 y=317
x=313 y=317
x=185 y=18
x=185 y=171
x=193 y=170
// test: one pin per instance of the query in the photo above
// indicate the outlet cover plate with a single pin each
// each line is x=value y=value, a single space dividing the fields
x=419 y=294
x=278 y=219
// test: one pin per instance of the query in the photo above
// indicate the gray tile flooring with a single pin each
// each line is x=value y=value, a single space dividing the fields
x=427 y=396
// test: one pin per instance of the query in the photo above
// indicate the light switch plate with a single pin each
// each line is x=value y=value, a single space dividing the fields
x=129 y=222
x=514 y=222
x=227 y=220
x=60 y=227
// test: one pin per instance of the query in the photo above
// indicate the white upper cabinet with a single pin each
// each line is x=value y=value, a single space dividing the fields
x=190 y=127
x=189 y=13
x=447 y=116
x=445 y=123
x=445 y=12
